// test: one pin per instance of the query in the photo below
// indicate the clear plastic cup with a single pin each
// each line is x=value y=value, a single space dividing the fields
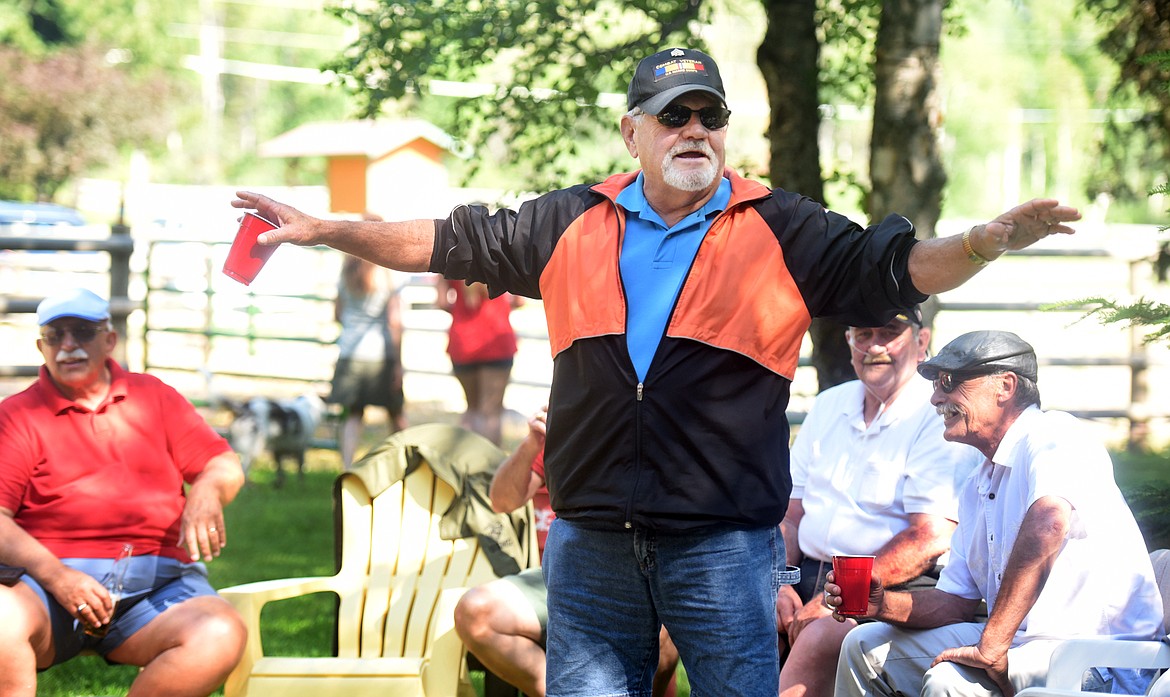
x=113 y=582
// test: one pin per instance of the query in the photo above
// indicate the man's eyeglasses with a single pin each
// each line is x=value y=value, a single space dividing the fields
x=947 y=382
x=712 y=117
x=82 y=333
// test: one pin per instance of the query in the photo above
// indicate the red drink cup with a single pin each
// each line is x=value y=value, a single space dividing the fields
x=246 y=257
x=852 y=574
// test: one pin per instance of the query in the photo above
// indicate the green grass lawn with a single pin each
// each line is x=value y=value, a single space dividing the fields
x=281 y=533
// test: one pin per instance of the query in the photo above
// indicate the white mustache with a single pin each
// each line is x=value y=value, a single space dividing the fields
x=948 y=410
x=76 y=354
x=696 y=145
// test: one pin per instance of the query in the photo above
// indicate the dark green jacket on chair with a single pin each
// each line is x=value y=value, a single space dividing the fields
x=465 y=461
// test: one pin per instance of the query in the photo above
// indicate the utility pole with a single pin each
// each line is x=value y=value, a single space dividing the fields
x=210 y=53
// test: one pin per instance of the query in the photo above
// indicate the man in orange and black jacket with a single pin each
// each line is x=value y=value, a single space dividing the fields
x=677 y=298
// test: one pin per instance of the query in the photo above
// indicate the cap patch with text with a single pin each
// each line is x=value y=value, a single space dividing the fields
x=667 y=75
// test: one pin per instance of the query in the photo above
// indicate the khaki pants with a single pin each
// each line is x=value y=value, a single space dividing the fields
x=880 y=659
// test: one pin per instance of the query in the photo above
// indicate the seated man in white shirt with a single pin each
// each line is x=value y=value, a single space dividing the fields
x=871 y=474
x=1044 y=537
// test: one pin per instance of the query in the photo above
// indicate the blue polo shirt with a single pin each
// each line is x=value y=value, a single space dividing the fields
x=655 y=260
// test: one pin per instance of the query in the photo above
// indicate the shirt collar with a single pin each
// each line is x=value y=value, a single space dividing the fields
x=1006 y=453
x=633 y=199
x=59 y=403
x=912 y=396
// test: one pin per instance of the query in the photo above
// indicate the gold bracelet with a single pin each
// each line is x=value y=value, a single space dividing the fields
x=975 y=257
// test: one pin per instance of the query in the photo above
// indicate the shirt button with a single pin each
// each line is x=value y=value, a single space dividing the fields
x=991 y=496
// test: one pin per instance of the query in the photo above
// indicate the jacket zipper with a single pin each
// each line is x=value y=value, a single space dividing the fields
x=637 y=453
x=640 y=389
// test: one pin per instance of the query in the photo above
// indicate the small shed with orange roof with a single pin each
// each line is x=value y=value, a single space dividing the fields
x=383 y=156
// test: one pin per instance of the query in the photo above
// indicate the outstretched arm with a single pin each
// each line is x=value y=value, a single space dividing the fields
x=405 y=246
x=944 y=263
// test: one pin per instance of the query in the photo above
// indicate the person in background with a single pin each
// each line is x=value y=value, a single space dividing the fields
x=677 y=297
x=871 y=474
x=93 y=457
x=1044 y=536
x=482 y=346
x=369 y=362
x=505 y=622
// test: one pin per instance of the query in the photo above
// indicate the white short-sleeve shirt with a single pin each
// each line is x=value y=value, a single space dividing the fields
x=858 y=485
x=1102 y=582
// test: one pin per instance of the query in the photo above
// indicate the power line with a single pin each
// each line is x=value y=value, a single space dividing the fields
x=265 y=37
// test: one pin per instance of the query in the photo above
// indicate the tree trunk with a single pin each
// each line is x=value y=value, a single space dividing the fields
x=789 y=60
x=905 y=169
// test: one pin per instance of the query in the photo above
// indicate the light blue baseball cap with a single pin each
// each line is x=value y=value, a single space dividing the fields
x=77 y=302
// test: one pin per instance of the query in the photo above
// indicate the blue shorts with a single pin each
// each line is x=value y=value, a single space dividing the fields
x=152 y=584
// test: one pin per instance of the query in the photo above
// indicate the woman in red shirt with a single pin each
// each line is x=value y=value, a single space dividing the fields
x=482 y=344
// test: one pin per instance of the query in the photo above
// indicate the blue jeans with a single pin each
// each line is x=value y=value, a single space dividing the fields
x=609 y=591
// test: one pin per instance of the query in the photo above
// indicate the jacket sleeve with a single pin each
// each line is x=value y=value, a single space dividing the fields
x=857 y=275
x=508 y=249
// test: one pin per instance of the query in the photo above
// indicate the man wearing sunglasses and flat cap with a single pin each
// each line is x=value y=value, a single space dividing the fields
x=677 y=297
x=93 y=457
x=1044 y=535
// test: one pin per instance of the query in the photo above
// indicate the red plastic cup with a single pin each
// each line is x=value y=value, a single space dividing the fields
x=246 y=257
x=852 y=573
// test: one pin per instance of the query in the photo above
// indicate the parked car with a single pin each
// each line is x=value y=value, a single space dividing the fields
x=21 y=213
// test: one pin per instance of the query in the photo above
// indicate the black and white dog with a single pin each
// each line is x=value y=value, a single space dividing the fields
x=283 y=427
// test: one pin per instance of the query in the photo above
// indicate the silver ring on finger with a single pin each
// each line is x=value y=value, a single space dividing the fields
x=211 y=530
x=82 y=606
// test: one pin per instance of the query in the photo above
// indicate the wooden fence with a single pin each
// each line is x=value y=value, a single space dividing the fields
x=190 y=319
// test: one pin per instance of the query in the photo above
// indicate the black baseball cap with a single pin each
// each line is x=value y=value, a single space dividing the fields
x=667 y=75
x=911 y=315
x=981 y=353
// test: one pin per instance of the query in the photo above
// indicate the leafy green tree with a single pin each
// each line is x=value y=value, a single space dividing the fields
x=1139 y=41
x=888 y=54
x=131 y=29
x=82 y=80
x=67 y=112
x=549 y=63
x=1137 y=140
x=545 y=65
x=212 y=122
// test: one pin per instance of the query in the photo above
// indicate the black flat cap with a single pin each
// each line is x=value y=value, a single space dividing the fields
x=982 y=353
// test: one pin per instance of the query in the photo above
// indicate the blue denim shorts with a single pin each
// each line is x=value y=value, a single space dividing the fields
x=152 y=584
x=610 y=591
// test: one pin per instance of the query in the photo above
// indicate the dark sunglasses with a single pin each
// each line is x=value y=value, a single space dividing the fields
x=82 y=333
x=712 y=117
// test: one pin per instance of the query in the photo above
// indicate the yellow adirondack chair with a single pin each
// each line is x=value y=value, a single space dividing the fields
x=398 y=581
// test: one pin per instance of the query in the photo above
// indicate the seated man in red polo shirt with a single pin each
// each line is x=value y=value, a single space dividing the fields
x=93 y=458
x=505 y=622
